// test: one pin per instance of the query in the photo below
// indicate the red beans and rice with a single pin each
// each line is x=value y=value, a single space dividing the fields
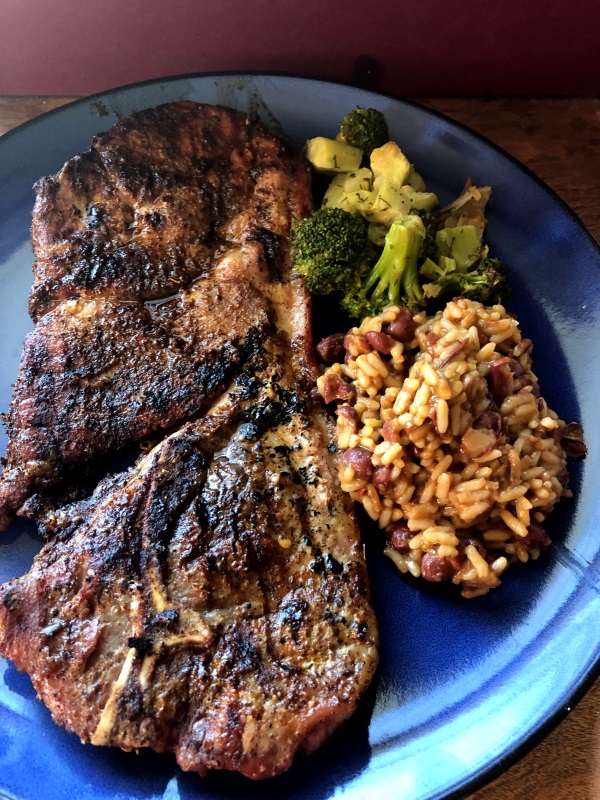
x=447 y=442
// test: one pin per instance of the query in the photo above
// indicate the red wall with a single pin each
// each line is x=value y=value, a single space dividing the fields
x=425 y=47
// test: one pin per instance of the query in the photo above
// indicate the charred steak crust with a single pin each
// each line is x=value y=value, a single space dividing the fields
x=212 y=600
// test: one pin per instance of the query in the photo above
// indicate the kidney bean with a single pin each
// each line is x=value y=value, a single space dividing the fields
x=351 y=414
x=536 y=537
x=488 y=420
x=360 y=459
x=507 y=376
x=524 y=346
x=479 y=546
x=436 y=569
x=522 y=380
x=381 y=477
x=401 y=537
x=501 y=379
x=570 y=438
x=402 y=329
x=535 y=388
x=430 y=341
x=337 y=389
x=521 y=383
x=331 y=349
x=380 y=342
x=389 y=434
x=516 y=367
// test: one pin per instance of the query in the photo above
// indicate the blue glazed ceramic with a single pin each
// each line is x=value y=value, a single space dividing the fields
x=464 y=687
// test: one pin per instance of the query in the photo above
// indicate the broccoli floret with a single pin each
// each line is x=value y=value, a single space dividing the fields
x=354 y=300
x=486 y=282
x=393 y=280
x=365 y=128
x=329 y=248
x=499 y=287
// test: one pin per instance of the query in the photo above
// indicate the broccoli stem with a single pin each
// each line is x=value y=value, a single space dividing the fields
x=395 y=277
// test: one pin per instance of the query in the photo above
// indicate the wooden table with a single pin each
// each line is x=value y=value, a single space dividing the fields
x=559 y=139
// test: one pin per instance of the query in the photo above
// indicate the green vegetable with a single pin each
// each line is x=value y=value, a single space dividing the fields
x=393 y=279
x=434 y=271
x=388 y=161
x=379 y=234
x=378 y=200
x=462 y=243
x=335 y=196
x=384 y=205
x=328 y=155
x=329 y=248
x=485 y=282
x=365 y=128
x=420 y=201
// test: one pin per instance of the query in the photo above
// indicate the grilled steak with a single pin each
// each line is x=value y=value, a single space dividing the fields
x=213 y=599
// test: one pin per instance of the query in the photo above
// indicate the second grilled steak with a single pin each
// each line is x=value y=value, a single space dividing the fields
x=213 y=601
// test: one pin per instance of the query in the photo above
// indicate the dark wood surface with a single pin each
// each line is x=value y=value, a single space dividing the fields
x=559 y=139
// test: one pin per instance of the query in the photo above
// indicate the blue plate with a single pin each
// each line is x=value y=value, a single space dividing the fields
x=464 y=687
